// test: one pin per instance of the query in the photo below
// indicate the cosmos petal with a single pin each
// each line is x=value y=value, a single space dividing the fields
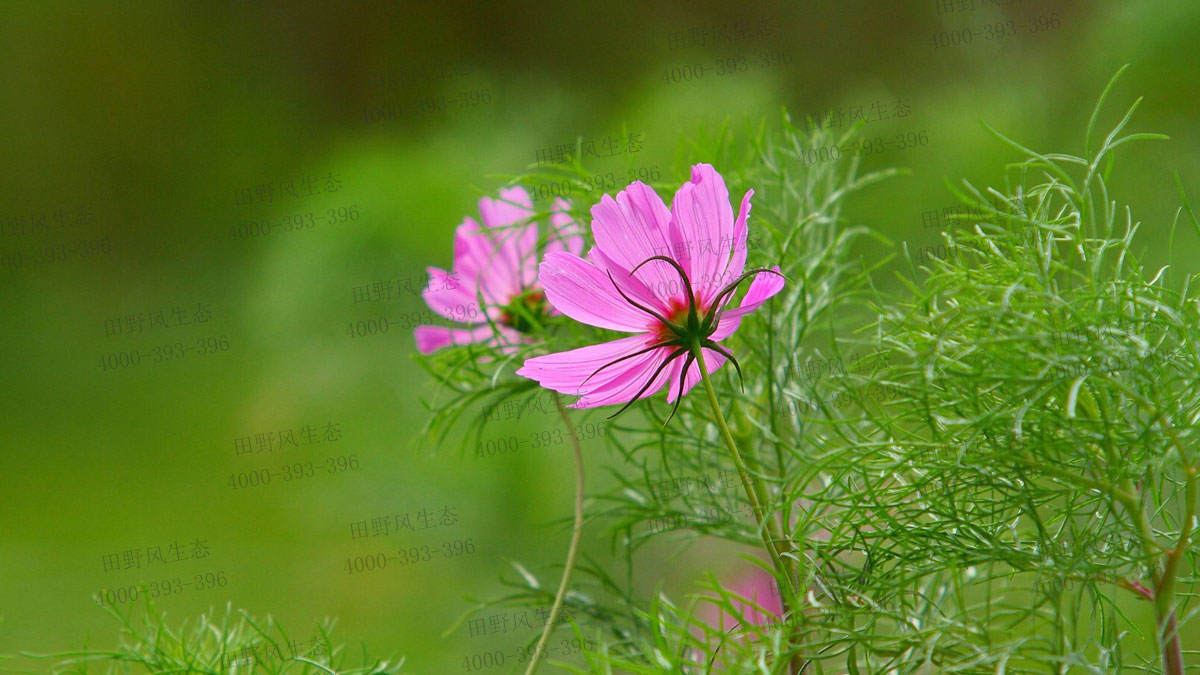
x=584 y=292
x=519 y=244
x=574 y=372
x=702 y=224
x=432 y=338
x=624 y=388
x=737 y=262
x=453 y=301
x=477 y=266
x=632 y=228
x=565 y=233
x=764 y=286
x=512 y=250
x=764 y=606
x=633 y=286
x=497 y=213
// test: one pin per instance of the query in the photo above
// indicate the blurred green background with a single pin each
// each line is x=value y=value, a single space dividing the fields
x=138 y=137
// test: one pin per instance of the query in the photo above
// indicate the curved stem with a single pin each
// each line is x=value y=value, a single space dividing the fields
x=572 y=550
x=752 y=487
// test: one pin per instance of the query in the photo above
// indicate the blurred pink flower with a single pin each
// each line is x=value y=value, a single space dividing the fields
x=763 y=609
x=498 y=263
x=759 y=611
x=664 y=275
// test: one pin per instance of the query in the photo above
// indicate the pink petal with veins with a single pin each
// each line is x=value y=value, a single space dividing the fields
x=761 y=289
x=432 y=338
x=700 y=213
x=574 y=372
x=584 y=292
x=633 y=228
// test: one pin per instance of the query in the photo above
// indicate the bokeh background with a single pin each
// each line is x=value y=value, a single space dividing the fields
x=142 y=142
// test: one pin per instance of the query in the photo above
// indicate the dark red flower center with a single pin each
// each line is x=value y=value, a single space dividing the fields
x=685 y=328
x=677 y=314
x=525 y=312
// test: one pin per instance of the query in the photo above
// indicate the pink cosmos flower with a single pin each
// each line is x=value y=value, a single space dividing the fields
x=496 y=263
x=671 y=303
x=761 y=609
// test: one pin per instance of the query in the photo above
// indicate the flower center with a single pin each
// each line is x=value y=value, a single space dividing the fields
x=677 y=313
x=525 y=312
x=684 y=328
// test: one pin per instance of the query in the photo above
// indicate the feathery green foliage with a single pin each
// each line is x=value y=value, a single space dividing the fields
x=234 y=643
x=1004 y=481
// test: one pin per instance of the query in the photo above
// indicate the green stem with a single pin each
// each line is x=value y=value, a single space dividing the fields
x=572 y=550
x=777 y=526
x=751 y=486
x=1164 y=584
x=753 y=463
x=1164 y=596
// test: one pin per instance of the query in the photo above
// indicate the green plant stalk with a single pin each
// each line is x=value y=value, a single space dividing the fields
x=1164 y=583
x=572 y=550
x=1164 y=594
x=780 y=466
x=778 y=527
x=787 y=597
x=753 y=462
